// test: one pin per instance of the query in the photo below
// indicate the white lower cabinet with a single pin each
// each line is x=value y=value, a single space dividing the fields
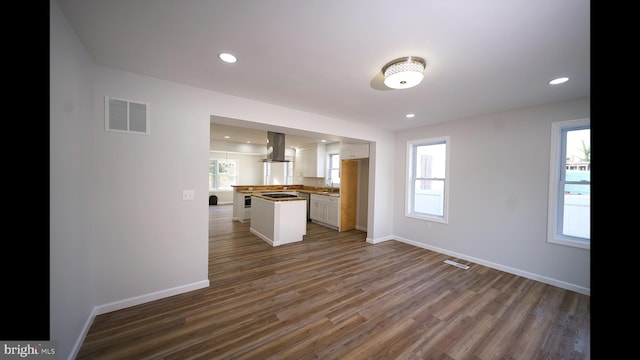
x=241 y=211
x=325 y=210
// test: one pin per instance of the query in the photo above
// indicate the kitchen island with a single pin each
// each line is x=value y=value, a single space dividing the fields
x=242 y=196
x=278 y=218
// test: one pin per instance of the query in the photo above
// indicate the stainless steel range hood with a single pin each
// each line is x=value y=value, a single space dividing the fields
x=275 y=147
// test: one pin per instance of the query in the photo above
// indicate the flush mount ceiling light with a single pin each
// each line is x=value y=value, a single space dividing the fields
x=404 y=73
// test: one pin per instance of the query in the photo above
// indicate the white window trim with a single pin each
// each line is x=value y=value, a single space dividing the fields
x=554 y=170
x=329 y=163
x=409 y=196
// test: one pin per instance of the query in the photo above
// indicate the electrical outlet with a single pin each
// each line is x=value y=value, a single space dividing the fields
x=188 y=195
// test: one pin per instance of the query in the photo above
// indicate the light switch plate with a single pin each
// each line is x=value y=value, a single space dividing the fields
x=188 y=195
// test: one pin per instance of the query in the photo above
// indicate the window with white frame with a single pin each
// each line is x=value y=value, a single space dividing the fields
x=569 y=213
x=333 y=175
x=222 y=174
x=428 y=179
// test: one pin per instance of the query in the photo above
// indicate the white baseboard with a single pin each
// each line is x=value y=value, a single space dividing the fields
x=83 y=335
x=379 y=240
x=514 y=271
x=121 y=304
x=261 y=236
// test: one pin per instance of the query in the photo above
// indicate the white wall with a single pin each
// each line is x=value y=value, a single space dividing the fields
x=120 y=232
x=71 y=203
x=499 y=170
x=363 y=191
x=381 y=179
x=149 y=240
x=307 y=181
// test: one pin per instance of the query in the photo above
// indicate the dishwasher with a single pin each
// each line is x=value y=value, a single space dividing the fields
x=308 y=197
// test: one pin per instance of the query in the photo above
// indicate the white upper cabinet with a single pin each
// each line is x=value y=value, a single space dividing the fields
x=310 y=161
x=354 y=151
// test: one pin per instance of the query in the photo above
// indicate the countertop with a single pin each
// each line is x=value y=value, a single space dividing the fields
x=263 y=189
x=258 y=195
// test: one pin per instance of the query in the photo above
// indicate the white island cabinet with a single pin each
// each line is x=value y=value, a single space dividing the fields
x=278 y=222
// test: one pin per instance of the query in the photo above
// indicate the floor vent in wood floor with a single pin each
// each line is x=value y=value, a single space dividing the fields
x=461 y=266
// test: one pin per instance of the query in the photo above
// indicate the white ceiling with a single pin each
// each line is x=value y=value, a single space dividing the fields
x=257 y=134
x=326 y=56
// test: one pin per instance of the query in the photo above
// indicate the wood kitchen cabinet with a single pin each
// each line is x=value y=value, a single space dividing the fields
x=325 y=210
x=348 y=194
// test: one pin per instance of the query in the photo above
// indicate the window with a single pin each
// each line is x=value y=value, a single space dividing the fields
x=569 y=213
x=222 y=174
x=334 y=169
x=428 y=179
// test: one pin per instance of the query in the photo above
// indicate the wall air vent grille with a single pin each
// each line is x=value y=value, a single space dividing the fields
x=126 y=116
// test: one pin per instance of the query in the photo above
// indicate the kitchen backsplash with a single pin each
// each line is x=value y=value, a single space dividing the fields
x=315 y=182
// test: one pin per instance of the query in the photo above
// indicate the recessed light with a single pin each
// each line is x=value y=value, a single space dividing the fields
x=409 y=116
x=227 y=137
x=559 y=80
x=323 y=140
x=228 y=58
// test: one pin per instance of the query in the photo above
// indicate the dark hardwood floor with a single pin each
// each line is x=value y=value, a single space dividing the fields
x=334 y=296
